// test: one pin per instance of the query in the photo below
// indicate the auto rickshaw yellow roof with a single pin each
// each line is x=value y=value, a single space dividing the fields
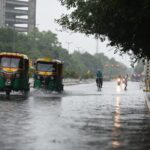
x=48 y=59
x=14 y=54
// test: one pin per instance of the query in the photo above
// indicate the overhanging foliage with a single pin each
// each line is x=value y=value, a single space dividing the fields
x=125 y=22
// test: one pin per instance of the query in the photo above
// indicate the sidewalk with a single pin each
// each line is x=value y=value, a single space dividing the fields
x=147 y=99
x=146 y=94
x=77 y=81
x=69 y=81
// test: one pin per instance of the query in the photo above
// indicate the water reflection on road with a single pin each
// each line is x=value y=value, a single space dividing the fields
x=117 y=125
x=81 y=118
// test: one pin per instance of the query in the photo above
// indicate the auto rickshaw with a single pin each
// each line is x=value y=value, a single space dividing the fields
x=48 y=74
x=14 y=75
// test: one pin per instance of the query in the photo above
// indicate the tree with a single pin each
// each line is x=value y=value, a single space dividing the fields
x=125 y=23
x=45 y=44
x=6 y=39
x=139 y=68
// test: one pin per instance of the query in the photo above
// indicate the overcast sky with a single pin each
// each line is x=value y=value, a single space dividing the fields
x=48 y=10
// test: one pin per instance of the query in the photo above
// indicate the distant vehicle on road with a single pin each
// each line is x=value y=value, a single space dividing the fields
x=119 y=80
x=136 y=77
x=14 y=73
x=48 y=74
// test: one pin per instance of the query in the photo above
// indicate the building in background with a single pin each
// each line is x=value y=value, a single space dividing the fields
x=18 y=14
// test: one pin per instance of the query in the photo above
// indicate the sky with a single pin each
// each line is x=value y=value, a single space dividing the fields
x=49 y=10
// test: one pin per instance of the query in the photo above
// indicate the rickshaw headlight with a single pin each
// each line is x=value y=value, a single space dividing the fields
x=52 y=78
x=38 y=77
x=17 y=75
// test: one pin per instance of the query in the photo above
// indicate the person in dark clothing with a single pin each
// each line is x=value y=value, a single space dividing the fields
x=125 y=82
x=99 y=77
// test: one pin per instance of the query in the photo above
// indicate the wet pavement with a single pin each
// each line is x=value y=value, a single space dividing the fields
x=81 y=118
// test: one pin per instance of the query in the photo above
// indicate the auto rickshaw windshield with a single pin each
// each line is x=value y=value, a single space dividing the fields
x=47 y=67
x=10 y=62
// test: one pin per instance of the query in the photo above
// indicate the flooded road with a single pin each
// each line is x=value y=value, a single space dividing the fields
x=81 y=118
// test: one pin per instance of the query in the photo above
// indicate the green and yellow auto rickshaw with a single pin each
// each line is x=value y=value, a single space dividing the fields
x=48 y=74
x=14 y=73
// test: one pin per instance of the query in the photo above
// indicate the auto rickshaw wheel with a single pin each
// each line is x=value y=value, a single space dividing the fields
x=8 y=93
x=25 y=93
x=60 y=89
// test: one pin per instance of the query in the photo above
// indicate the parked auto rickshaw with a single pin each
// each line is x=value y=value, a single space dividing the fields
x=14 y=75
x=48 y=74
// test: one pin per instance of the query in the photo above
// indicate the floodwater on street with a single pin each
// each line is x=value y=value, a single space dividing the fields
x=81 y=118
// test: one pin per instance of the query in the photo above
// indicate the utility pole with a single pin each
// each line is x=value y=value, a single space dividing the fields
x=68 y=44
x=35 y=35
x=97 y=46
x=78 y=49
x=14 y=38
